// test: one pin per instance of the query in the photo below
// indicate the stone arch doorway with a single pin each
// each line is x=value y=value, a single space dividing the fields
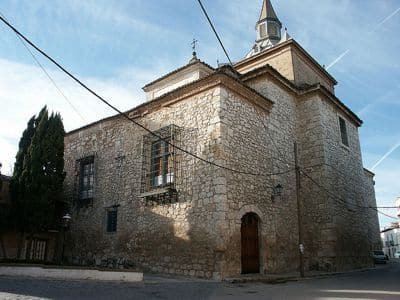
x=250 y=243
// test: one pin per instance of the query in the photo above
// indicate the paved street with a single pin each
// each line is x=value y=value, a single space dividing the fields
x=381 y=283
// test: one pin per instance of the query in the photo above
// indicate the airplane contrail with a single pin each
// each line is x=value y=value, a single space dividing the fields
x=385 y=20
x=394 y=148
x=339 y=58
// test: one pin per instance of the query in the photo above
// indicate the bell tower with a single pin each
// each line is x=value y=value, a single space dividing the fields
x=268 y=29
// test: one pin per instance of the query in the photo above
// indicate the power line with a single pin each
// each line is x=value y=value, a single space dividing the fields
x=215 y=31
x=125 y=115
x=384 y=214
x=266 y=129
x=301 y=170
x=386 y=207
x=48 y=76
x=344 y=203
x=341 y=201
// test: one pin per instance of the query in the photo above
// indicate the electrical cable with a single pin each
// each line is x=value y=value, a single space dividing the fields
x=384 y=214
x=48 y=75
x=302 y=171
x=126 y=116
x=215 y=31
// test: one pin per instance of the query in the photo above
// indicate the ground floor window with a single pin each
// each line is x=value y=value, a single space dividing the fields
x=112 y=217
x=36 y=250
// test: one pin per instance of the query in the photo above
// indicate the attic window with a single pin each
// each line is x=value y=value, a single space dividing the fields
x=343 y=131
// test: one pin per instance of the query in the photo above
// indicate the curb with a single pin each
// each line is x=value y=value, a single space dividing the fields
x=277 y=279
x=70 y=273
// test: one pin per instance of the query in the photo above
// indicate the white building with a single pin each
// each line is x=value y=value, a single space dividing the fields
x=391 y=239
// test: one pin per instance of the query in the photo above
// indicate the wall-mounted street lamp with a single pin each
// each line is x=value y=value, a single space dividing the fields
x=276 y=192
x=66 y=220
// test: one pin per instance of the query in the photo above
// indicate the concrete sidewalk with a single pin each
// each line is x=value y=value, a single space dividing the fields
x=282 y=278
x=70 y=273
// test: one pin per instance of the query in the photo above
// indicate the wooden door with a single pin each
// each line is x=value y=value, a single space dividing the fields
x=250 y=248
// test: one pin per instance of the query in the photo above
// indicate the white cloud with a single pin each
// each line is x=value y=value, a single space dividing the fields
x=24 y=90
x=111 y=14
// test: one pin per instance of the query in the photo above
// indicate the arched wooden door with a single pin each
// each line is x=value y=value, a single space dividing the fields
x=250 y=245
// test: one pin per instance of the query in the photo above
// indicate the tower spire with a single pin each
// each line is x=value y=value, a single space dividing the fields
x=268 y=26
x=267 y=11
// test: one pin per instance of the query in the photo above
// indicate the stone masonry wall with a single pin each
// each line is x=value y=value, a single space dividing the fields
x=345 y=177
x=265 y=149
x=304 y=73
x=317 y=211
x=180 y=238
x=339 y=229
x=200 y=233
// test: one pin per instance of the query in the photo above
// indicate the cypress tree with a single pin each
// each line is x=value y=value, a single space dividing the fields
x=17 y=186
x=3 y=219
x=1 y=179
x=38 y=180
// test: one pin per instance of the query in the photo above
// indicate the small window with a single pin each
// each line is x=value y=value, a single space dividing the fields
x=273 y=30
x=343 y=131
x=112 y=216
x=37 y=249
x=263 y=31
x=86 y=178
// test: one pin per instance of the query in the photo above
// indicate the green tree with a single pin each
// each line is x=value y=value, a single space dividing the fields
x=4 y=211
x=1 y=179
x=17 y=185
x=38 y=180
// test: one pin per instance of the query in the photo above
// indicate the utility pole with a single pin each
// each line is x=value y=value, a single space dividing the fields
x=299 y=211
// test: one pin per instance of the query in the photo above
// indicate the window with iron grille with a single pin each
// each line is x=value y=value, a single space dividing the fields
x=159 y=168
x=86 y=178
x=161 y=163
x=343 y=131
x=112 y=217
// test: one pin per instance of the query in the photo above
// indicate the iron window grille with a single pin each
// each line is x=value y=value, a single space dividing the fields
x=159 y=166
x=86 y=179
x=162 y=171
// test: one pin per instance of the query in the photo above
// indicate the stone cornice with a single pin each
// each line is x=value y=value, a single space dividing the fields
x=369 y=173
x=200 y=63
x=273 y=74
x=218 y=78
x=322 y=91
x=291 y=43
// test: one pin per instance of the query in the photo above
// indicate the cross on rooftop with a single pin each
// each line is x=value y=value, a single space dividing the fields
x=194 y=46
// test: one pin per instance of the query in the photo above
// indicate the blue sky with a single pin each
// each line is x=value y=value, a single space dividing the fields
x=119 y=46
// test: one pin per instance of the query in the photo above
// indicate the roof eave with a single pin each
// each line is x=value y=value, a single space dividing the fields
x=187 y=66
x=181 y=93
x=278 y=47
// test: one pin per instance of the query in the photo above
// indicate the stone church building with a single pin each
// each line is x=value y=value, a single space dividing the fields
x=209 y=190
